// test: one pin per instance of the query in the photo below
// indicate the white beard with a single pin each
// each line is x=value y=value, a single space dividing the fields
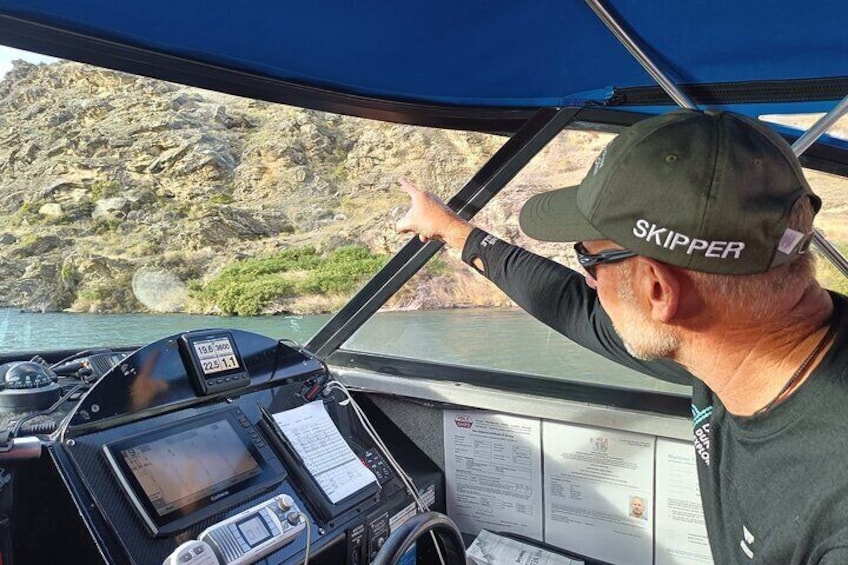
x=642 y=337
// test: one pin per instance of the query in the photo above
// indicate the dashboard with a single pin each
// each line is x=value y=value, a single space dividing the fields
x=174 y=453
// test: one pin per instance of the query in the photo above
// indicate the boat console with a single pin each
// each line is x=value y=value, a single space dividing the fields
x=215 y=446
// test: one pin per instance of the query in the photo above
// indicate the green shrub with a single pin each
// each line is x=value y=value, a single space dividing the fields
x=250 y=297
x=104 y=226
x=251 y=286
x=343 y=269
x=223 y=198
x=103 y=189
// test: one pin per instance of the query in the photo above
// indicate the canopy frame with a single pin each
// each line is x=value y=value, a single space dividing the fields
x=618 y=29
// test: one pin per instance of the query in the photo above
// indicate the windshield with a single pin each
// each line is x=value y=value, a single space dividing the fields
x=513 y=340
x=132 y=209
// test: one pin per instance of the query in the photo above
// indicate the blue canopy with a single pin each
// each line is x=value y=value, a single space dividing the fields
x=775 y=56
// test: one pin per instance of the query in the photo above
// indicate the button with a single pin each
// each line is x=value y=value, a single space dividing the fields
x=198 y=550
x=293 y=518
x=219 y=381
x=284 y=502
x=226 y=379
x=185 y=557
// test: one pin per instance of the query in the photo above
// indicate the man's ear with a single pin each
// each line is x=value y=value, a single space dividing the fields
x=660 y=286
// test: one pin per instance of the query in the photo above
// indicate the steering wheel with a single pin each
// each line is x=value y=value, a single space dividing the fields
x=403 y=537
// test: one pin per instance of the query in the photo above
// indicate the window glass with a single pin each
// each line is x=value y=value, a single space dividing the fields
x=830 y=221
x=833 y=190
x=132 y=209
x=450 y=313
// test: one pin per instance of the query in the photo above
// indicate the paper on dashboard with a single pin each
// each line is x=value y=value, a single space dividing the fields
x=679 y=515
x=599 y=487
x=492 y=549
x=323 y=451
x=493 y=472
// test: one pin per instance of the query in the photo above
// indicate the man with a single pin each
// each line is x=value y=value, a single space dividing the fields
x=637 y=508
x=693 y=229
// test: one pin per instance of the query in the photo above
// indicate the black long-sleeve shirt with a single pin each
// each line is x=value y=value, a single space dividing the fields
x=774 y=486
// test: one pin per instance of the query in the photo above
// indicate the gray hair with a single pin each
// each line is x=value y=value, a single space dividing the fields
x=755 y=296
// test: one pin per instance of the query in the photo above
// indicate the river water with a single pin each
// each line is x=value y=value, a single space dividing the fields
x=488 y=338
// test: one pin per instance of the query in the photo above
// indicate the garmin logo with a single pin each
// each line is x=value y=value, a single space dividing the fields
x=219 y=496
x=671 y=240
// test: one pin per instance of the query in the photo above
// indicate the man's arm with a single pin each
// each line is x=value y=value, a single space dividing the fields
x=550 y=292
x=558 y=297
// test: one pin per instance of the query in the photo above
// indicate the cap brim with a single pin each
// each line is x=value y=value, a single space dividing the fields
x=553 y=216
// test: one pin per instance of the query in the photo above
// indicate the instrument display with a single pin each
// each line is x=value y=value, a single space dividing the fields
x=182 y=471
x=215 y=354
x=213 y=361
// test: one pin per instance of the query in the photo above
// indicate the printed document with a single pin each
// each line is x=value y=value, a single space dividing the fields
x=492 y=549
x=681 y=532
x=599 y=492
x=323 y=451
x=493 y=472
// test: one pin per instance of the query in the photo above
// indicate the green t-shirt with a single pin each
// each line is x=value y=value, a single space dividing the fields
x=774 y=486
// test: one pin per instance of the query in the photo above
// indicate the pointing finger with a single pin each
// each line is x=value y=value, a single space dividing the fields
x=408 y=187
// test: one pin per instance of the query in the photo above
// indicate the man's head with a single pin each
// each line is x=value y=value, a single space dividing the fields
x=698 y=199
x=712 y=192
x=637 y=506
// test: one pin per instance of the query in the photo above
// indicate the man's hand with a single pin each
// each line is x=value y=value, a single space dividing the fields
x=430 y=218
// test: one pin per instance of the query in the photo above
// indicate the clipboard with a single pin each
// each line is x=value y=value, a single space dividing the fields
x=324 y=508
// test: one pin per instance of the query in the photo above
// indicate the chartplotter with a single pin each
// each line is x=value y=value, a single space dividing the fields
x=240 y=160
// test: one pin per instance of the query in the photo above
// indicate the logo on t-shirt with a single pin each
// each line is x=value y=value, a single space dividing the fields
x=746 y=542
x=701 y=424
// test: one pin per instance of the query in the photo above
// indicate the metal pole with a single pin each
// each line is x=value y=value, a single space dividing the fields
x=833 y=255
x=624 y=38
x=486 y=183
x=802 y=144
x=820 y=127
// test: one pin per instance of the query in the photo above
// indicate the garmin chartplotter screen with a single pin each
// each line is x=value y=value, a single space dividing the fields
x=177 y=470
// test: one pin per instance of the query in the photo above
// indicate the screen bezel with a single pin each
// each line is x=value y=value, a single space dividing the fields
x=196 y=365
x=210 y=504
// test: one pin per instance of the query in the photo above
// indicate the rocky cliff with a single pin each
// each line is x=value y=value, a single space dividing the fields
x=121 y=193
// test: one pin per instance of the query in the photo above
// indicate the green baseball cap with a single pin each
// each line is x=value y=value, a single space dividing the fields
x=709 y=191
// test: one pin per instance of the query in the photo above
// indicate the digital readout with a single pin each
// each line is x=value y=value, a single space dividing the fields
x=254 y=531
x=215 y=355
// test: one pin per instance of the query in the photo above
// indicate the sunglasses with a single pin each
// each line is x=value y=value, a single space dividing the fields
x=590 y=261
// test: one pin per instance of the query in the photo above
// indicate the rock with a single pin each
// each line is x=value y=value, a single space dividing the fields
x=111 y=208
x=159 y=290
x=7 y=239
x=40 y=288
x=220 y=225
x=51 y=209
x=37 y=247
